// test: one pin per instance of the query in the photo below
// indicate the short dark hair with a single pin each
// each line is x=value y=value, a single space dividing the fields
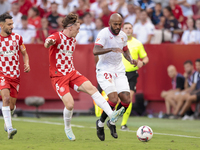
x=71 y=18
x=35 y=9
x=87 y=13
x=24 y=17
x=159 y=4
x=188 y=62
x=54 y=3
x=198 y=60
x=5 y=16
x=127 y=23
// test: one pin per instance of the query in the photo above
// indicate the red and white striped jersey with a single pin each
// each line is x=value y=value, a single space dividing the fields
x=60 y=54
x=9 y=54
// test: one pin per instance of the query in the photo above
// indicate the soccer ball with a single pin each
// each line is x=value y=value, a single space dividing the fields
x=144 y=133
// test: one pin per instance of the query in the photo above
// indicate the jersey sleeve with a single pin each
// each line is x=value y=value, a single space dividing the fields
x=20 y=40
x=101 y=38
x=151 y=29
x=142 y=52
x=125 y=47
x=55 y=37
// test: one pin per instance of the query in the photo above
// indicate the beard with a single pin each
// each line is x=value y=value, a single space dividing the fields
x=116 y=31
x=8 y=32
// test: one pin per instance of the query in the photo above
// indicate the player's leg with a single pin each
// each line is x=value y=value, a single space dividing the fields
x=187 y=105
x=132 y=80
x=180 y=101
x=5 y=93
x=67 y=115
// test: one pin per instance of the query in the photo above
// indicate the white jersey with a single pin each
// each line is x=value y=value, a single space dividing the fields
x=111 y=61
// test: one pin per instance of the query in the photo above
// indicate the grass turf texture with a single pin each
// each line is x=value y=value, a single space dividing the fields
x=48 y=134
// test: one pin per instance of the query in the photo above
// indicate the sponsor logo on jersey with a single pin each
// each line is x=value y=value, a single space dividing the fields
x=8 y=53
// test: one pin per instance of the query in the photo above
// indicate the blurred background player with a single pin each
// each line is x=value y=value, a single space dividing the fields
x=11 y=45
x=136 y=48
x=63 y=74
x=191 y=95
x=109 y=45
x=177 y=85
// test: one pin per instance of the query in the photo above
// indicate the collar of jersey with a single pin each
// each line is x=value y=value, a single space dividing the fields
x=111 y=32
x=6 y=36
x=67 y=36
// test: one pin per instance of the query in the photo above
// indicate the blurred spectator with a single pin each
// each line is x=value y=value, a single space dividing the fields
x=4 y=6
x=65 y=8
x=177 y=11
x=43 y=32
x=25 y=5
x=186 y=6
x=15 y=14
x=85 y=35
x=43 y=6
x=106 y=13
x=131 y=16
x=143 y=30
x=95 y=8
x=189 y=36
x=147 y=5
x=157 y=14
x=27 y=31
x=83 y=7
x=60 y=24
x=34 y=18
x=197 y=9
x=171 y=23
x=198 y=30
x=99 y=26
x=53 y=16
x=120 y=6
x=177 y=85
x=164 y=3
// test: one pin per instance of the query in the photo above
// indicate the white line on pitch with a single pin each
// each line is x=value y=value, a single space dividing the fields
x=79 y=126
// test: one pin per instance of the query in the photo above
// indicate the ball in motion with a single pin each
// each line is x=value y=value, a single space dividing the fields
x=144 y=133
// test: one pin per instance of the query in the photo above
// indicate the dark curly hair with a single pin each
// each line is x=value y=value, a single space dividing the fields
x=5 y=16
x=69 y=19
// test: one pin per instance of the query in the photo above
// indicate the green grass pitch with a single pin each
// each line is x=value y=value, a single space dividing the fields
x=48 y=134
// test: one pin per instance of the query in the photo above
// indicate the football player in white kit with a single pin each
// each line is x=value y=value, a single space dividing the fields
x=109 y=45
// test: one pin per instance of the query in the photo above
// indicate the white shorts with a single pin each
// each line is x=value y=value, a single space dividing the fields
x=113 y=82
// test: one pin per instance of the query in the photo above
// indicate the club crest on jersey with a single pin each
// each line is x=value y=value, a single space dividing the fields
x=14 y=43
x=122 y=39
x=97 y=39
x=111 y=37
x=62 y=89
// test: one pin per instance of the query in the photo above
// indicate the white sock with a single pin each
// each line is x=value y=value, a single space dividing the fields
x=102 y=103
x=112 y=123
x=7 y=117
x=67 y=116
x=12 y=111
x=100 y=124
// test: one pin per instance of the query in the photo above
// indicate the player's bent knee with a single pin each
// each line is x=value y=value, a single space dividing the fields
x=6 y=100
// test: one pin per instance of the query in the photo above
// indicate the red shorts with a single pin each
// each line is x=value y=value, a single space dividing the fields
x=10 y=83
x=73 y=80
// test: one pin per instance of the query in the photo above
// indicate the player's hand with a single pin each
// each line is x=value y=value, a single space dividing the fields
x=27 y=68
x=134 y=62
x=185 y=75
x=139 y=64
x=117 y=50
x=50 y=42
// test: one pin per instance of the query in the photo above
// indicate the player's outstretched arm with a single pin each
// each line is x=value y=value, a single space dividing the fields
x=127 y=55
x=99 y=50
x=25 y=58
x=49 y=42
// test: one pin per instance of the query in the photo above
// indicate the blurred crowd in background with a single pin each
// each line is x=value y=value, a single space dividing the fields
x=154 y=21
